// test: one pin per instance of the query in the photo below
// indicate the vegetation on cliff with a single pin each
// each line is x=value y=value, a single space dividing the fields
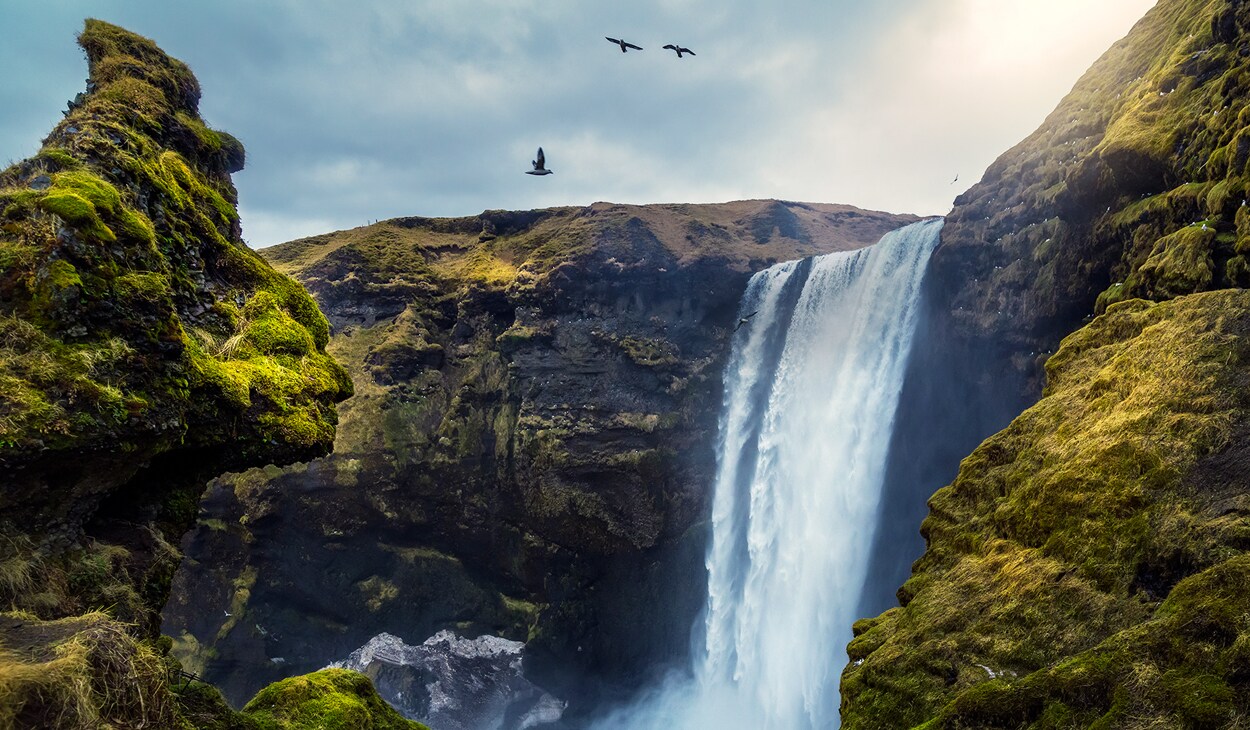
x=1087 y=567
x=133 y=319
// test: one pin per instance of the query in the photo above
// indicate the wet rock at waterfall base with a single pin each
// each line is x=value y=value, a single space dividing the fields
x=454 y=683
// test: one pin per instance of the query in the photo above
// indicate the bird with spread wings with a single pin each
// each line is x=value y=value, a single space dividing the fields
x=624 y=46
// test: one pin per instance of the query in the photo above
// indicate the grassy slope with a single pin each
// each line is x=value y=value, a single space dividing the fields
x=1064 y=533
x=1088 y=565
x=500 y=247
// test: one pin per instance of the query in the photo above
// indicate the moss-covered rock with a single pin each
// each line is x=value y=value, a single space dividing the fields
x=333 y=699
x=1078 y=570
x=143 y=349
x=135 y=322
x=1133 y=187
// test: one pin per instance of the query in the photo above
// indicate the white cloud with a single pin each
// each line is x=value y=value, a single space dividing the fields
x=263 y=228
x=947 y=89
x=357 y=111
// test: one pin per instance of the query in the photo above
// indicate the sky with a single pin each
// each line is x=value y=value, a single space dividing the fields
x=358 y=111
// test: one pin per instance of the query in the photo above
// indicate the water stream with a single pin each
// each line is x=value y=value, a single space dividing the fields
x=811 y=391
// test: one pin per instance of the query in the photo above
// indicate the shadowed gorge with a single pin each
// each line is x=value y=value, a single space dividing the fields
x=529 y=452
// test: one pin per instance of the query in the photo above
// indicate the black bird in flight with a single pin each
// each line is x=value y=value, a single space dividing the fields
x=745 y=319
x=624 y=46
x=955 y=180
x=679 y=50
x=539 y=165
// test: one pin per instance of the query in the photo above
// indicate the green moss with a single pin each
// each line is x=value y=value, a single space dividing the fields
x=59 y=157
x=59 y=282
x=270 y=330
x=134 y=324
x=332 y=699
x=518 y=335
x=239 y=599
x=377 y=592
x=78 y=211
x=141 y=97
x=202 y=706
x=263 y=369
x=1179 y=264
x=115 y=54
x=650 y=352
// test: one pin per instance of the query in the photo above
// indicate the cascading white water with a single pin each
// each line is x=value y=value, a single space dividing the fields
x=811 y=390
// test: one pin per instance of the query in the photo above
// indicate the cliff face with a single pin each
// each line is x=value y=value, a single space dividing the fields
x=530 y=446
x=1132 y=187
x=1087 y=565
x=143 y=349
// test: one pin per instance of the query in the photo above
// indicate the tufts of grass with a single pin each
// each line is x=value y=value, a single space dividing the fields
x=89 y=673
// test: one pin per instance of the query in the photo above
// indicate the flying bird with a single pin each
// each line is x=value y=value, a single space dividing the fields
x=955 y=180
x=624 y=46
x=679 y=49
x=745 y=319
x=539 y=165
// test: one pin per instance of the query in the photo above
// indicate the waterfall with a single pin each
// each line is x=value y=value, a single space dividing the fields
x=811 y=390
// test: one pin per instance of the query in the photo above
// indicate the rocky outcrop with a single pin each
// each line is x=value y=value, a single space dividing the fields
x=529 y=450
x=453 y=683
x=1087 y=565
x=331 y=698
x=143 y=350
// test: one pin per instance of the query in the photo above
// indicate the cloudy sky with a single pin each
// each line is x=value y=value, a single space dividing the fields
x=353 y=111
